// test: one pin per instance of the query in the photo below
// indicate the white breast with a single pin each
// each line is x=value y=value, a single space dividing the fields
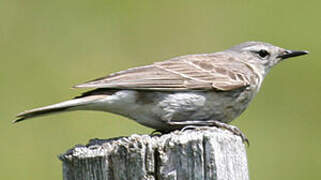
x=155 y=109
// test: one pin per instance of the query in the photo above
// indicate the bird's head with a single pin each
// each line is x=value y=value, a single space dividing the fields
x=263 y=54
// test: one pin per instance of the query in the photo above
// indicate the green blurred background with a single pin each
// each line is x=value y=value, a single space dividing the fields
x=48 y=46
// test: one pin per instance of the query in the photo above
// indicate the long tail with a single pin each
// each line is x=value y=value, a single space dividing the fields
x=74 y=104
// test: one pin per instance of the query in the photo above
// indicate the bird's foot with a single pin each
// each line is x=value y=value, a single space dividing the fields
x=198 y=124
x=192 y=127
x=235 y=130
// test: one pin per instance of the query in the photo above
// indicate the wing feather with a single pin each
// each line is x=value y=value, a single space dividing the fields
x=192 y=72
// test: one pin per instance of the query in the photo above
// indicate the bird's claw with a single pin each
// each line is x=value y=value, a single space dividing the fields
x=235 y=130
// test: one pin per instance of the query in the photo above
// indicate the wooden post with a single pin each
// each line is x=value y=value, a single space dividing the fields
x=205 y=154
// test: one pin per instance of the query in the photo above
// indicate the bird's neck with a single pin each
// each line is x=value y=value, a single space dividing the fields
x=260 y=73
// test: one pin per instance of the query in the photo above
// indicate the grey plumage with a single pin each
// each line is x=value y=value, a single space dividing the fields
x=74 y=104
x=201 y=89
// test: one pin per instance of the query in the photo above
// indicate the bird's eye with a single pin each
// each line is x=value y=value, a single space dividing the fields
x=263 y=53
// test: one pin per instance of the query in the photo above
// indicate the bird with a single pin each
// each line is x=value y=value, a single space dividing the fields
x=195 y=90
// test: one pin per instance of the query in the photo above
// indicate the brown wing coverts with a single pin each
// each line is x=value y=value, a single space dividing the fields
x=191 y=72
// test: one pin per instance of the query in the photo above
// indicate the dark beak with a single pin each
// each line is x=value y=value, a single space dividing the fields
x=292 y=53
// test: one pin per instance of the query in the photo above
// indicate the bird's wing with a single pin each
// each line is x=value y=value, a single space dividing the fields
x=191 y=72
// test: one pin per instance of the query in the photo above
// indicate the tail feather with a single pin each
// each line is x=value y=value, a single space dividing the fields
x=73 y=104
x=37 y=112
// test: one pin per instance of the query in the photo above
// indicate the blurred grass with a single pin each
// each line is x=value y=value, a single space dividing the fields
x=48 y=46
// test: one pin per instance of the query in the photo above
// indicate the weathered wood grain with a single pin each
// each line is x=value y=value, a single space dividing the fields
x=203 y=154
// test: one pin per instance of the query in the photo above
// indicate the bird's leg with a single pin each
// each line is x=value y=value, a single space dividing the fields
x=194 y=124
x=160 y=132
x=189 y=127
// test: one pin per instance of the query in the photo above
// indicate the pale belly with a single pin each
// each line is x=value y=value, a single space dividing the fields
x=156 y=109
